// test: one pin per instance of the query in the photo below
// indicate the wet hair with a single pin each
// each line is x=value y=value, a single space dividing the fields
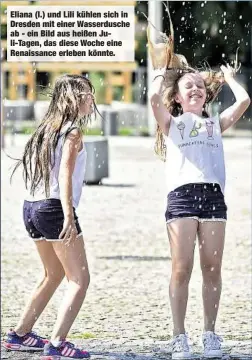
x=39 y=154
x=213 y=81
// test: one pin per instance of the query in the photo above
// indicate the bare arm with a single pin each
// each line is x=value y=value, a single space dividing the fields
x=162 y=115
x=232 y=114
x=69 y=153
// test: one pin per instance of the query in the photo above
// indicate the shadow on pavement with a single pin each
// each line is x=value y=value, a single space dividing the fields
x=135 y=258
x=100 y=184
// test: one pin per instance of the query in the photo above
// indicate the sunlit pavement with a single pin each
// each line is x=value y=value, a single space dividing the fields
x=126 y=314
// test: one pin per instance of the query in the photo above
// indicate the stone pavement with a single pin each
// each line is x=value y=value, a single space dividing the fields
x=126 y=314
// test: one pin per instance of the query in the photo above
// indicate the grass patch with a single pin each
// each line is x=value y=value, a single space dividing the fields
x=23 y=130
x=144 y=132
x=26 y=130
x=132 y=131
x=126 y=132
x=99 y=82
x=93 y=131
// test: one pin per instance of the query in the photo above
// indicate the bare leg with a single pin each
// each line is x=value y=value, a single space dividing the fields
x=74 y=262
x=211 y=243
x=54 y=274
x=182 y=235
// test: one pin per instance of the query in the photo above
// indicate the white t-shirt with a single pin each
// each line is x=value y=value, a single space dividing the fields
x=194 y=151
x=77 y=177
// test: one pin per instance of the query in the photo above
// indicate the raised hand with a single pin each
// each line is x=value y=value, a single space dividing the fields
x=228 y=72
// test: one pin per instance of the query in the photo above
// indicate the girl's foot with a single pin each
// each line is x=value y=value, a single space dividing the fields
x=29 y=342
x=212 y=345
x=65 y=351
x=180 y=347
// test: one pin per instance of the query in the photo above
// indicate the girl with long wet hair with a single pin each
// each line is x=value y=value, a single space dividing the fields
x=54 y=162
x=189 y=140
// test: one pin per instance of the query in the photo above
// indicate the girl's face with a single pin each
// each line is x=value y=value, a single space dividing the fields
x=87 y=103
x=191 y=92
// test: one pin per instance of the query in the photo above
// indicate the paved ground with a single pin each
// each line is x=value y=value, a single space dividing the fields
x=126 y=314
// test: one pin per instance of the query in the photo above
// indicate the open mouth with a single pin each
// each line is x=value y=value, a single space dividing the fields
x=195 y=96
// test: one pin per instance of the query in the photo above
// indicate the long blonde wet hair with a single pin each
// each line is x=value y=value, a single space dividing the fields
x=162 y=55
x=39 y=154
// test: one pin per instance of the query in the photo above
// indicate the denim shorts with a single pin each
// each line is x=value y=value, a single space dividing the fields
x=44 y=219
x=202 y=202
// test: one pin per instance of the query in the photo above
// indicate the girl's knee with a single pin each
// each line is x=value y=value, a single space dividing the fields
x=211 y=271
x=54 y=277
x=182 y=274
x=82 y=281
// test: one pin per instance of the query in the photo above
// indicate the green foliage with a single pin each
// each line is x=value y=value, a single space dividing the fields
x=126 y=132
x=118 y=93
x=28 y=130
x=132 y=131
x=3 y=8
x=141 y=36
x=141 y=7
x=144 y=132
x=93 y=131
x=97 y=79
x=23 y=129
x=3 y=26
x=141 y=50
x=3 y=31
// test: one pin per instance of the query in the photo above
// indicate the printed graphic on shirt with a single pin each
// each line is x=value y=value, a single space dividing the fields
x=209 y=127
x=194 y=132
x=181 y=127
x=198 y=142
